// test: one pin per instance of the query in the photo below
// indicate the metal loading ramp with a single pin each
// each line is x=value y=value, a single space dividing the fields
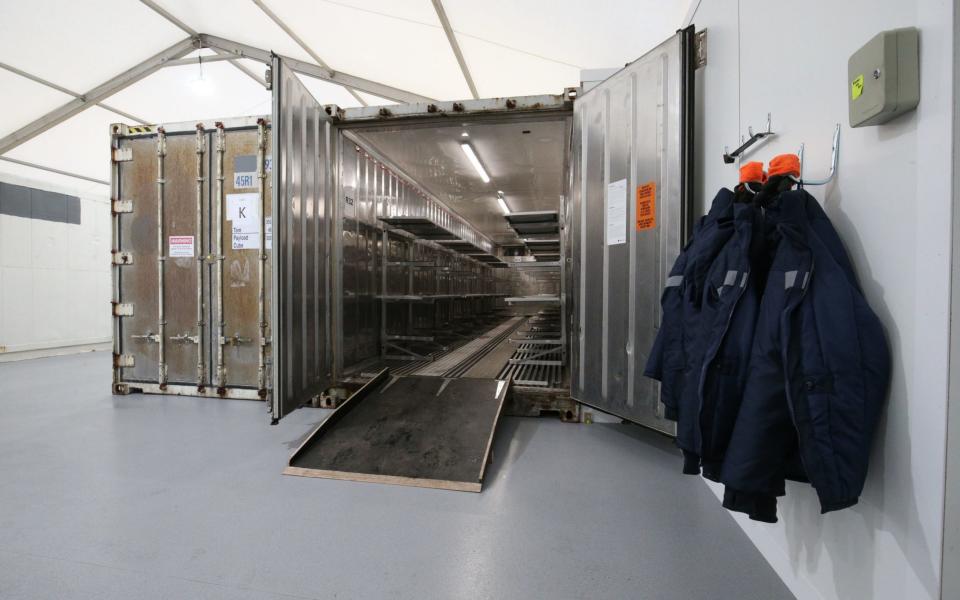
x=408 y=430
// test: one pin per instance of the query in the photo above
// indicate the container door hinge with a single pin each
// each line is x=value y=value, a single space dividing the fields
x=123 y=360
x=122 y=258
x=122 y=206
x=700 y=48
x=122 y=154
x=122 y=310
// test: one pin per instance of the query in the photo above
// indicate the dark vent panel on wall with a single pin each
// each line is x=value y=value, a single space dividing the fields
x=29 y=203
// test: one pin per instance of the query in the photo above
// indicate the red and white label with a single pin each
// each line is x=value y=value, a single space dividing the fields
x=181 y=246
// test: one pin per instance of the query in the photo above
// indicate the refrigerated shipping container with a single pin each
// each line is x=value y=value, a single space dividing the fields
x=519 y=238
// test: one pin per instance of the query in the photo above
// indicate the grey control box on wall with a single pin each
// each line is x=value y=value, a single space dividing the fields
x=884 y=77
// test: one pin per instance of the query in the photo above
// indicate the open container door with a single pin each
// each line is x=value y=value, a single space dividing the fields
x=630 y=212
x=303 y=193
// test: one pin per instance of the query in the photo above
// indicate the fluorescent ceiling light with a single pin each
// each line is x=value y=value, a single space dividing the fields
x=472 y=156
x=503 y=205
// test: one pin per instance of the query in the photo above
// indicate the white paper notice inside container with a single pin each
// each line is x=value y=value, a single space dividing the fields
x=243 y=211
x=617 y=212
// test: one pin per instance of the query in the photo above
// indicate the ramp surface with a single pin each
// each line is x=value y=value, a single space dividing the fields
x=410 y=430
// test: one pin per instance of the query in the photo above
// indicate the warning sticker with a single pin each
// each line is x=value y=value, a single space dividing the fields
x=181 y=246
x=647 y=206
x=856 y=88
x=243 y=211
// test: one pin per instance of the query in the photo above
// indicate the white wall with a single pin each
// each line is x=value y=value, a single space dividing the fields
x=54 y=277
x=891 y=203
x=951 y=516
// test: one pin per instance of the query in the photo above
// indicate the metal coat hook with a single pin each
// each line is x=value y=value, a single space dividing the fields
x=834 y=158
x=731 y=157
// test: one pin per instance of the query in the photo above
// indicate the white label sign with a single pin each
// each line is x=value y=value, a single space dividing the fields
x=181 y=246
x=617 y=212
x=243 y=211
x=268 y=232
x=245 y=181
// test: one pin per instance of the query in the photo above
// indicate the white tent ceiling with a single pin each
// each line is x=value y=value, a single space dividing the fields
x=509 y=48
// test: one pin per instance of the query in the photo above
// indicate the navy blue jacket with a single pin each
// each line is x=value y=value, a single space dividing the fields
x=681 y=301
x=818 y=374
x=731 y=303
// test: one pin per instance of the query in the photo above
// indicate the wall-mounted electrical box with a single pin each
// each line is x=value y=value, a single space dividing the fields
x=884 y=77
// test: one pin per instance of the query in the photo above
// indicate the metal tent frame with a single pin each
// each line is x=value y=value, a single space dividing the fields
x=226 y=50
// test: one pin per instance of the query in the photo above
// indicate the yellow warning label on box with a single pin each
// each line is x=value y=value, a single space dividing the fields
x=647 y=206
x=856 y=88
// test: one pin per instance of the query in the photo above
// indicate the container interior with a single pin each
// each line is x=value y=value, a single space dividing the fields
x=450 y=268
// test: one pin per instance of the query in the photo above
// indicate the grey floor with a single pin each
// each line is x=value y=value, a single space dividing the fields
x=165 y=497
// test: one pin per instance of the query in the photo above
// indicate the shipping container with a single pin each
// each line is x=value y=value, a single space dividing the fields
x=521 y=238
x=191 y=258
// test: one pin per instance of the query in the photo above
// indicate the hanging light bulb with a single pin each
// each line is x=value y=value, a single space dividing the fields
x=201 y=86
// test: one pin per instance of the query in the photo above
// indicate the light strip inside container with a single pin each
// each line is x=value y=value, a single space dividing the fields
x=472 y=157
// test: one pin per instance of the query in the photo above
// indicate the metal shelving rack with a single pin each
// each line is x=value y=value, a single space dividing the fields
x=541 y=345
x=454 y=315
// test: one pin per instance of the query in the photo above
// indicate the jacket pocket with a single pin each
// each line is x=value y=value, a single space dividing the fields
x=671 y=385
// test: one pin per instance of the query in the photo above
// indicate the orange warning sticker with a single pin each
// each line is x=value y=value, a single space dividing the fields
x=647 y=206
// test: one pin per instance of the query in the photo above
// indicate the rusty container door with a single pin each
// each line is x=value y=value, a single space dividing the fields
x=159 y=202
x=242 y=204
x=191 y=303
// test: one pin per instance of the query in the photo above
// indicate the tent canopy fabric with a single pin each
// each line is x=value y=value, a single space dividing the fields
x=53 y=51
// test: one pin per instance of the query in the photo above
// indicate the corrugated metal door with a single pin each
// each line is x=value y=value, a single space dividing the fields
x=304 y=190
x=628 y=215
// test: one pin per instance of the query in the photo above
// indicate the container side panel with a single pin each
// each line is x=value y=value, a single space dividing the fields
x=627 y=146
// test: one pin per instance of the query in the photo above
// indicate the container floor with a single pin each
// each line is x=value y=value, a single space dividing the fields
x=176 y=497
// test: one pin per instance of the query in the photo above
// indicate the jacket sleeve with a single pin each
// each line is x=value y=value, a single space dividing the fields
x=663 y=364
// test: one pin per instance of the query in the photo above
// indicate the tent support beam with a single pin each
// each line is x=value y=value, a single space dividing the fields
x=64 y=90
x=358 y=83
x=276 y=19
x=97 y=94
x=455 y=46
x=52 y=170
x=193 y=33
x=193 y=60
